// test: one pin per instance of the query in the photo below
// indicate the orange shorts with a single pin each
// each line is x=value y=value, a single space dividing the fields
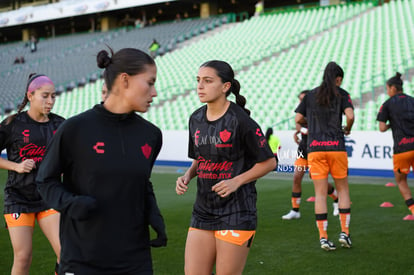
x=237 y=237
x=403 y=162
x=301 y=162
x=27 y=219
x=323 y=163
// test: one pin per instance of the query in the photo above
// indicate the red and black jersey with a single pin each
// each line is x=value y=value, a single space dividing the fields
x=24 y=138
x=225 y=148
x=109 y=158
x=325 y=122
x=399 y=111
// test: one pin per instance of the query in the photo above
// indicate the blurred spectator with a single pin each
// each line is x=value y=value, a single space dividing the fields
x=33 y=44
x=259 y=8
x=16 y=60
x=153 y=48
x=22 y=60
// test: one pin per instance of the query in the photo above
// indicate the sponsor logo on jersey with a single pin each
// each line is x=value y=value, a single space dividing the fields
x=26 y=135
x=146 y=150
x=405 y=140
x=324 y=143
x=32 y=151
x=98 y=147
x=262 y=142
x=196 y=137
x=220 y=141
x=214 y=170
x=258 y=132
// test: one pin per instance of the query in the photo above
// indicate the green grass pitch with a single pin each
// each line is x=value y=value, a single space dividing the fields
x=382 y=240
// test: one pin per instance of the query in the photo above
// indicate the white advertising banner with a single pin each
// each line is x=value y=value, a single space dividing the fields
x=367 y=150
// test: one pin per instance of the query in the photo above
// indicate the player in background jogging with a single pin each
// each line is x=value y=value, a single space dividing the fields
x=301 y=166
x=229 y=153
x=106 y=155
x=274 y=142
x=398 y=110
x=25 y=135
x=322 y=109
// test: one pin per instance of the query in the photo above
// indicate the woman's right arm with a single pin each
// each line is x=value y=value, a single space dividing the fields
x=182 y=182
x=25 y=166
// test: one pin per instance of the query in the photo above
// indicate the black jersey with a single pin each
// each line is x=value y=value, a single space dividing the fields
x=225 y=148
x=24 y=138
x=108 y=157
x=399 y=110
x=325 y=122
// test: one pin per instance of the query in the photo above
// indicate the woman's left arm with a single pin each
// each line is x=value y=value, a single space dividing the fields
x=226 y=187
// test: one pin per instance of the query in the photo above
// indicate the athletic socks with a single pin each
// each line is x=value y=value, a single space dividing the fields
x=345 y=219
x=332 y=193
x=296 y=201
x=322 y=225
x=410 y=204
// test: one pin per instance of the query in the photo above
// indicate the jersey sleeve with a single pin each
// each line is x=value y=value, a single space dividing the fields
x=346 y=101
x=4 y=135
x=191 y=152
x=383 y=114
x=301 y=108
x=257 y=147
x=48 y=178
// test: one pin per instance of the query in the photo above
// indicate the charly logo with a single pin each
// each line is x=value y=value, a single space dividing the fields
x=32 y=151
x=26 y=135
x=146 y=150
x=98 y=147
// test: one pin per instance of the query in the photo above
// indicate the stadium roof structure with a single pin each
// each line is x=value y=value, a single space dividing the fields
x=65 y=9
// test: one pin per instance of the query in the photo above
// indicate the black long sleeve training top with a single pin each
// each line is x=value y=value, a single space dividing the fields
x=106 y=160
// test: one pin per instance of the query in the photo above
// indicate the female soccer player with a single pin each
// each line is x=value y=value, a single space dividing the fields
x=106 y=155
x=301 y=166
x=25 y=136
x=230 y=153
x=399 y=111
x=323 y=108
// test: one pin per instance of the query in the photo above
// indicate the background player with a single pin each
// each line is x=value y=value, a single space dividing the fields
x=25 y=136
x=230 y=153
x=301 y=166
x=323 y=108
x=399 y=111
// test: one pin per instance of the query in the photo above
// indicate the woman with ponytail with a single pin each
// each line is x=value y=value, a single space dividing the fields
x=322 y=109
x=398 y=111
x=106 y=155
x=229 y=153
x=25 y=135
